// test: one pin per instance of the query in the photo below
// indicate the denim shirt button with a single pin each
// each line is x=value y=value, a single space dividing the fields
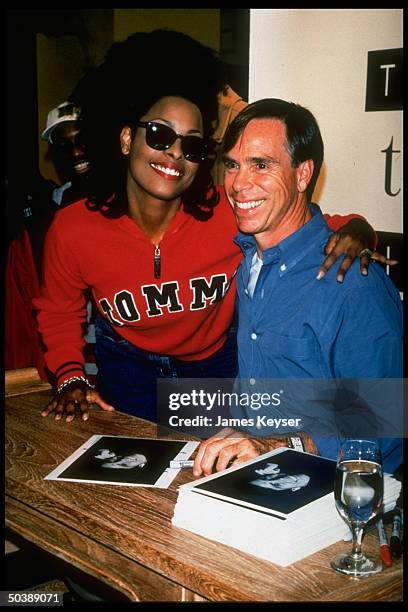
x=252 y=381
x=254 y=336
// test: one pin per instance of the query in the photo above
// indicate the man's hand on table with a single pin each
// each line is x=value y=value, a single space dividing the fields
x=230 y=447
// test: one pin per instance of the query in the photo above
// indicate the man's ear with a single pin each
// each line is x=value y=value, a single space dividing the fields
x=125 y=139
x=304 y=174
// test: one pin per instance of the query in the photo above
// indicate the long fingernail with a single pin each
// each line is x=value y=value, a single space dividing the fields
x=340 y=278
x=364 y=271
x=85 y=417
x=320 y=275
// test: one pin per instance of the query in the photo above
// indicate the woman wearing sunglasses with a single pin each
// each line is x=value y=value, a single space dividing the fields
x=154 y=244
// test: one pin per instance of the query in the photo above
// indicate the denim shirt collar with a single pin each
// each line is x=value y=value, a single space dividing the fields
x=292 y=249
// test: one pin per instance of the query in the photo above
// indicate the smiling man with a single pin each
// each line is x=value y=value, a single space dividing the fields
x=63 y=132
x=289 y=325
x=268 y=193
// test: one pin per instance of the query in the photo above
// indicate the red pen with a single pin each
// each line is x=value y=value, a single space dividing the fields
x=385 y=552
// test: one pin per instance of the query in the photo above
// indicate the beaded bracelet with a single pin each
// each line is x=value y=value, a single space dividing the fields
x=73 y=379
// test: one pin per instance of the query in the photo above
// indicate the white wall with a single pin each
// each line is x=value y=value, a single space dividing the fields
x=318 y=58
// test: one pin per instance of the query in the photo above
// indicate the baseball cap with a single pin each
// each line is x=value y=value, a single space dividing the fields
x=67 y=111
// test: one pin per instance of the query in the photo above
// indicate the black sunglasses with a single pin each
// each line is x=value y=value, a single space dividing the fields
x=162 y=137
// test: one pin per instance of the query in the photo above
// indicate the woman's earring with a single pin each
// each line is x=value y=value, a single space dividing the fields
x=125 y=140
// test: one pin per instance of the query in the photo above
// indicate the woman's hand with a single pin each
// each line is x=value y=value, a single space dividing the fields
x=355 y=239
x=75 y=396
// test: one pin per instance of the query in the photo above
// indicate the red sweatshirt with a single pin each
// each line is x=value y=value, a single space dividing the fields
x=181 y=314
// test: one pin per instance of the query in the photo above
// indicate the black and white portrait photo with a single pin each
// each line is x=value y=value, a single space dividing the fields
x=283 y=483
x=124 y=460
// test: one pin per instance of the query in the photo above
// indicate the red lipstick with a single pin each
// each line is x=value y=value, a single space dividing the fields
x=168 y=171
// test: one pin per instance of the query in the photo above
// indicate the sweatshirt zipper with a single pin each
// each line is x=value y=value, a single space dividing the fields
x=157 y=261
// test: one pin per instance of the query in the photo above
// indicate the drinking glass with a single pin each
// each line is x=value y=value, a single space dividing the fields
x=358 y=493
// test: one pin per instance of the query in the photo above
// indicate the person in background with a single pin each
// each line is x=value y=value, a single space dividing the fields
x=229 y=105
x=68 y=152
x=153 y=240
x=291 y=326
x=29 y=215
x=45 y=197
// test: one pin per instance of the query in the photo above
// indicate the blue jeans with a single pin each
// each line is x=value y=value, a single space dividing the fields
x=127 y=375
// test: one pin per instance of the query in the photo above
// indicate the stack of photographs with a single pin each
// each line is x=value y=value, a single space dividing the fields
x=279 y=506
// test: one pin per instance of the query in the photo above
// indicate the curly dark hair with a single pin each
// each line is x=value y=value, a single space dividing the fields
x=135 y=74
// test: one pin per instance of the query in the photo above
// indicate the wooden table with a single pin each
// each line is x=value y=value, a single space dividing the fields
x=123 y=536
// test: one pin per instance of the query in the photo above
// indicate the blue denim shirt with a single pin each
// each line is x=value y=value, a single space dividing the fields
x=297 y=327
